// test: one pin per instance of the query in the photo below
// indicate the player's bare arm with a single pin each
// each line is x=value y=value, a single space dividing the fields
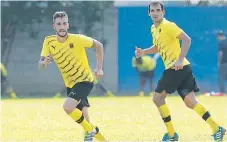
x=99 y=57
x=140 y=52
x=186 y=42
x=44 y=61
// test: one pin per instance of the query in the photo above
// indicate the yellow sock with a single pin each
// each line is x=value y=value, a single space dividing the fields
x=76 y=115
x=141 y=93
x=201 y=110
x=165 y=114
x=98 y=135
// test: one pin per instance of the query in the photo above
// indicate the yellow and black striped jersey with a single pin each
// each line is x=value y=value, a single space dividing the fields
x=165 y=39
x=70 y=57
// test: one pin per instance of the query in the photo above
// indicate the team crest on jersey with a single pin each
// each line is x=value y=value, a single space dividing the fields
x=160 y=30
x=71 y=45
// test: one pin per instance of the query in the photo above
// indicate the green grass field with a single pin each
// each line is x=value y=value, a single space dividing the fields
x=119 y=119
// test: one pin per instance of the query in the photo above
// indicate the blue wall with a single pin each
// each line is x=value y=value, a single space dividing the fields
x=200 y=23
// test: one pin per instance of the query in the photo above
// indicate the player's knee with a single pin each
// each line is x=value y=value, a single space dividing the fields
x=158 y=99
x=190 y=101
x=68 y=108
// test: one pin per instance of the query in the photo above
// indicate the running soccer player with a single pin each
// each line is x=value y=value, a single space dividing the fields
x=69 y=53
x=178 y=72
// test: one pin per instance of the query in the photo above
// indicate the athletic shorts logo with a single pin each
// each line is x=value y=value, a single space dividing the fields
x=72 y=94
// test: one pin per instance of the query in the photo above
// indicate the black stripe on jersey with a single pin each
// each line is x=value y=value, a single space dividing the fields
x=73 y=73
x=159 y=44
x=82 y=74
x=164 y=58
x=64 y=59
x=62 y=54
x=60 y=50
x=51 y=41
x=86 y=77
x=170 y=55
x=76 y=73
x=66 y=64
x=70 y=68
x=171 y=61
x=162 y=47
x=50 y=36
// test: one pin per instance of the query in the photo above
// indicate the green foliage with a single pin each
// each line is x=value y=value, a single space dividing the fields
x=27 y=15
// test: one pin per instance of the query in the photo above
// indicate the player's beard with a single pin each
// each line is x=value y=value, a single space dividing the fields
x=62 y=35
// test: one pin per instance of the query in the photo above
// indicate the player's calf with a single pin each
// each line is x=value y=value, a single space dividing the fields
x=76 y=114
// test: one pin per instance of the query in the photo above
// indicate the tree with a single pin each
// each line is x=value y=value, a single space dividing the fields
x=25 y=16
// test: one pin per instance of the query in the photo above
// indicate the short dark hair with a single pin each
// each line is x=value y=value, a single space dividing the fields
x=60 y=14
x=220 y=33
x=156 y=3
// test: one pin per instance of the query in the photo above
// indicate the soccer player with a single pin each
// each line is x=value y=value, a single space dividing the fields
x=178 y=72
x=222 y=60
x=145 y=66
x=69 y=53
x=5 y=85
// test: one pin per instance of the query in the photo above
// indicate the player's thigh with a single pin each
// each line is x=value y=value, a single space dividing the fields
x=150 y=75
x=142 y=76
x=188 y=85
x=169 y=82
x=83 y=103
x=80 y=90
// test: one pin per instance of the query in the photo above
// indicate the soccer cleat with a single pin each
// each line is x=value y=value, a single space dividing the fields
x=89 y=136
x=166 y=138
x=218 y=136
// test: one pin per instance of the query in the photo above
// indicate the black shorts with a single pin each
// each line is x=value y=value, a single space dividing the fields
x=147 y=74
x=181 y=80
x=80 y=92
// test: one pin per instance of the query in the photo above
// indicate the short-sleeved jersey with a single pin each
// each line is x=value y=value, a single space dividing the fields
x=148 y=64
x=70 y=57
x=165 y=39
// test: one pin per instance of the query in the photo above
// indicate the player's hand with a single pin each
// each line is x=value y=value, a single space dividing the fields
x=178 y=65
x=47 y=59
x=139 y=52
x=98 y=73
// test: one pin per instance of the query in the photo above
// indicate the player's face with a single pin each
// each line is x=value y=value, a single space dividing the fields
x=156 y=13
x=220 y=37
x=61 y=26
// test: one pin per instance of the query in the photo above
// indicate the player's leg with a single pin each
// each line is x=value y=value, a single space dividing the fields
x=142 y=82
x=104 y=90
x=150 y=78
x=222 y=74
x=10 y=91
x=166 y=85
x=74 y=95
x=98 y=134
x=187 y=92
